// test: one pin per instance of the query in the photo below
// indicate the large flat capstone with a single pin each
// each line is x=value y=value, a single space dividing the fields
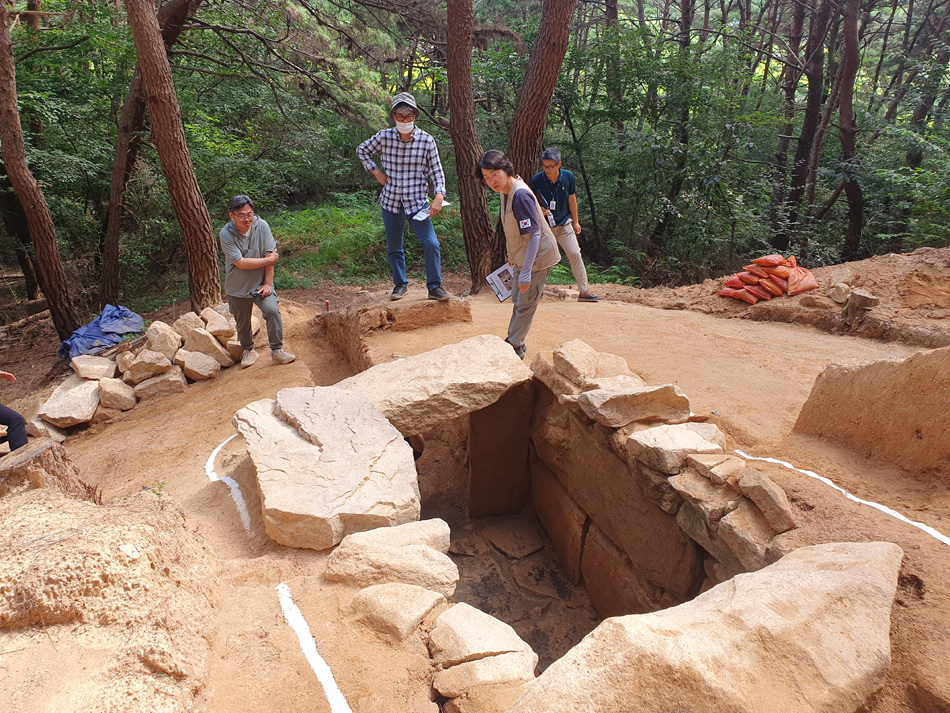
x=808 y=633
x=425 y=390
x=328 y=464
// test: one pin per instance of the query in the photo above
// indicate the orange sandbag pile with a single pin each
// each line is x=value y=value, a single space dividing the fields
x=768 y=277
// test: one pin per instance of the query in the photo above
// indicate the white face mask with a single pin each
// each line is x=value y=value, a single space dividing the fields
x=405 y=128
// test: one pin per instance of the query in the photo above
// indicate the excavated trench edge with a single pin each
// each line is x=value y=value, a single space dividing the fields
x=936 y=534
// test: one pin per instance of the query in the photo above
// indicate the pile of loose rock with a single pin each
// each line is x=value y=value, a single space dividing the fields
x=194 y=348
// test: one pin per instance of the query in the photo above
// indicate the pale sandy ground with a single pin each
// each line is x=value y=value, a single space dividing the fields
x=750 y=378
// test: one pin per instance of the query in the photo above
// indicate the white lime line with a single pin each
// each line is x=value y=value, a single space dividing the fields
x=209 y=465
x=232 y=486
x=296 y=621
x=936 y=534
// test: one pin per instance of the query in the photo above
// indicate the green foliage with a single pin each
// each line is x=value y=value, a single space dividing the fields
x=343 y=240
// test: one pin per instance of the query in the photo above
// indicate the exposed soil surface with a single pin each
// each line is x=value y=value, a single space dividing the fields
x=197 y=622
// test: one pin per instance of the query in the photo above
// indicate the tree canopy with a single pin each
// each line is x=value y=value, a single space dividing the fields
x=700 y=133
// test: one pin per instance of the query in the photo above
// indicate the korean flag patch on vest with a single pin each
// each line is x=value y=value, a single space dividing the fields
x=526 y=223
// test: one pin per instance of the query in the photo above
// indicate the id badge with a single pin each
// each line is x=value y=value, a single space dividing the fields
x=551 y=204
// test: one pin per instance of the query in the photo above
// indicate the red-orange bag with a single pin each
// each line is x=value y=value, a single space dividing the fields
x=744 y=295
x=759 y=292
x=778 y=271
x=735 y=283
x=770 y=286
x=791 y=262
x=780 y=282
x=748 y=278
x=770 y=260
x=801 y=280
x=756 y=270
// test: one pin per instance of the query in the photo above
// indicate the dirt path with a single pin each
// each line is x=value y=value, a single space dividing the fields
x=750 y=378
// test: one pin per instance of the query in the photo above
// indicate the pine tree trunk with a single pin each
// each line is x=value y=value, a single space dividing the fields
x=29 y=193
x=849 y=129
x=169 y=133
x=484 y=251
x=534 y=99
x=171 y=20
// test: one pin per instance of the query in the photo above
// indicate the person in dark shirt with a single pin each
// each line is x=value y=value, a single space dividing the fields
x=532 y=249
x=16 y=426
x=556 y=192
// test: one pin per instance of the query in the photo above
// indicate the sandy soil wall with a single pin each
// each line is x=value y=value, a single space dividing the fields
x=894 y=411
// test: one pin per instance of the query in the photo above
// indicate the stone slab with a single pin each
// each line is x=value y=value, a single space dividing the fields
x=420 y=392
x=328 y=464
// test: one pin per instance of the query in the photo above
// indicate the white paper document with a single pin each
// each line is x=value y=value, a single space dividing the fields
x=424 y=213
x=502 y=280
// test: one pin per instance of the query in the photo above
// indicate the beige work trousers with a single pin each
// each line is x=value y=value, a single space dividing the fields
x=567 y=239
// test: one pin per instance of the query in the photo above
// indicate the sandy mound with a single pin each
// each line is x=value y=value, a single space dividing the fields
x=914 y=291
x=126 y=584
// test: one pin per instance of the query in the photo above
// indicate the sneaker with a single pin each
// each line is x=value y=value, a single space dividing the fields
x=439 y=294
x=281 y=357
x=399 y=291
x=588 y=298
x=248 y=357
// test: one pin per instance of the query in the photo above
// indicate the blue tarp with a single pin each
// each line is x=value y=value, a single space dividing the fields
x=110 y=327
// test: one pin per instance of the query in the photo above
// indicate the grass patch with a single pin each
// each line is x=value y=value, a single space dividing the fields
x=343 y=240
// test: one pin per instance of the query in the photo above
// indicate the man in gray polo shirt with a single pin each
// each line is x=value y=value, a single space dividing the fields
x=250 y=254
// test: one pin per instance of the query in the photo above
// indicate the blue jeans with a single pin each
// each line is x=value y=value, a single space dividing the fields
x=394 y=224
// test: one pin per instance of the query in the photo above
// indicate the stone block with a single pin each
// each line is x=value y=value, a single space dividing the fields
x=560 y=516
x=693 y=523
x=423 y=391
x=809 y=633
x=328 y=464
x=719 y=468
x=434 y=533
x=604 y=487
x=124 y=360
x=74 y=401
x=171 y=382
x=665 y=448
x=576 y=361
x=840 y=293
x=558 y=384
x=234 y=349
x=198 y=366
x=614 y=586
x=363 y=566
x=116 y=394
x=394 y=609
x=657 y=487
x=617 y=408
x=163 y=339
x=505 y=669
x=712 y=501
x=769 y=498
x=747 y=533
x=463 y=633
x=93 y=367
x=147 y=364
x=188 y=321
x=217 y=325
x=201 y=340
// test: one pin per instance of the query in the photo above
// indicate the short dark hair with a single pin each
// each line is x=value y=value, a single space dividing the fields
x=493 y=161
x=551 y=154
x=238 y=202
x=404 y=108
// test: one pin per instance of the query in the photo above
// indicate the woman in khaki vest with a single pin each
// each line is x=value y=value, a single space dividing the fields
x=532 y=249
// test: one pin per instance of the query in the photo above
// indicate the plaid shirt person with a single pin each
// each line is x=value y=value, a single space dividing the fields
x=408 y=164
